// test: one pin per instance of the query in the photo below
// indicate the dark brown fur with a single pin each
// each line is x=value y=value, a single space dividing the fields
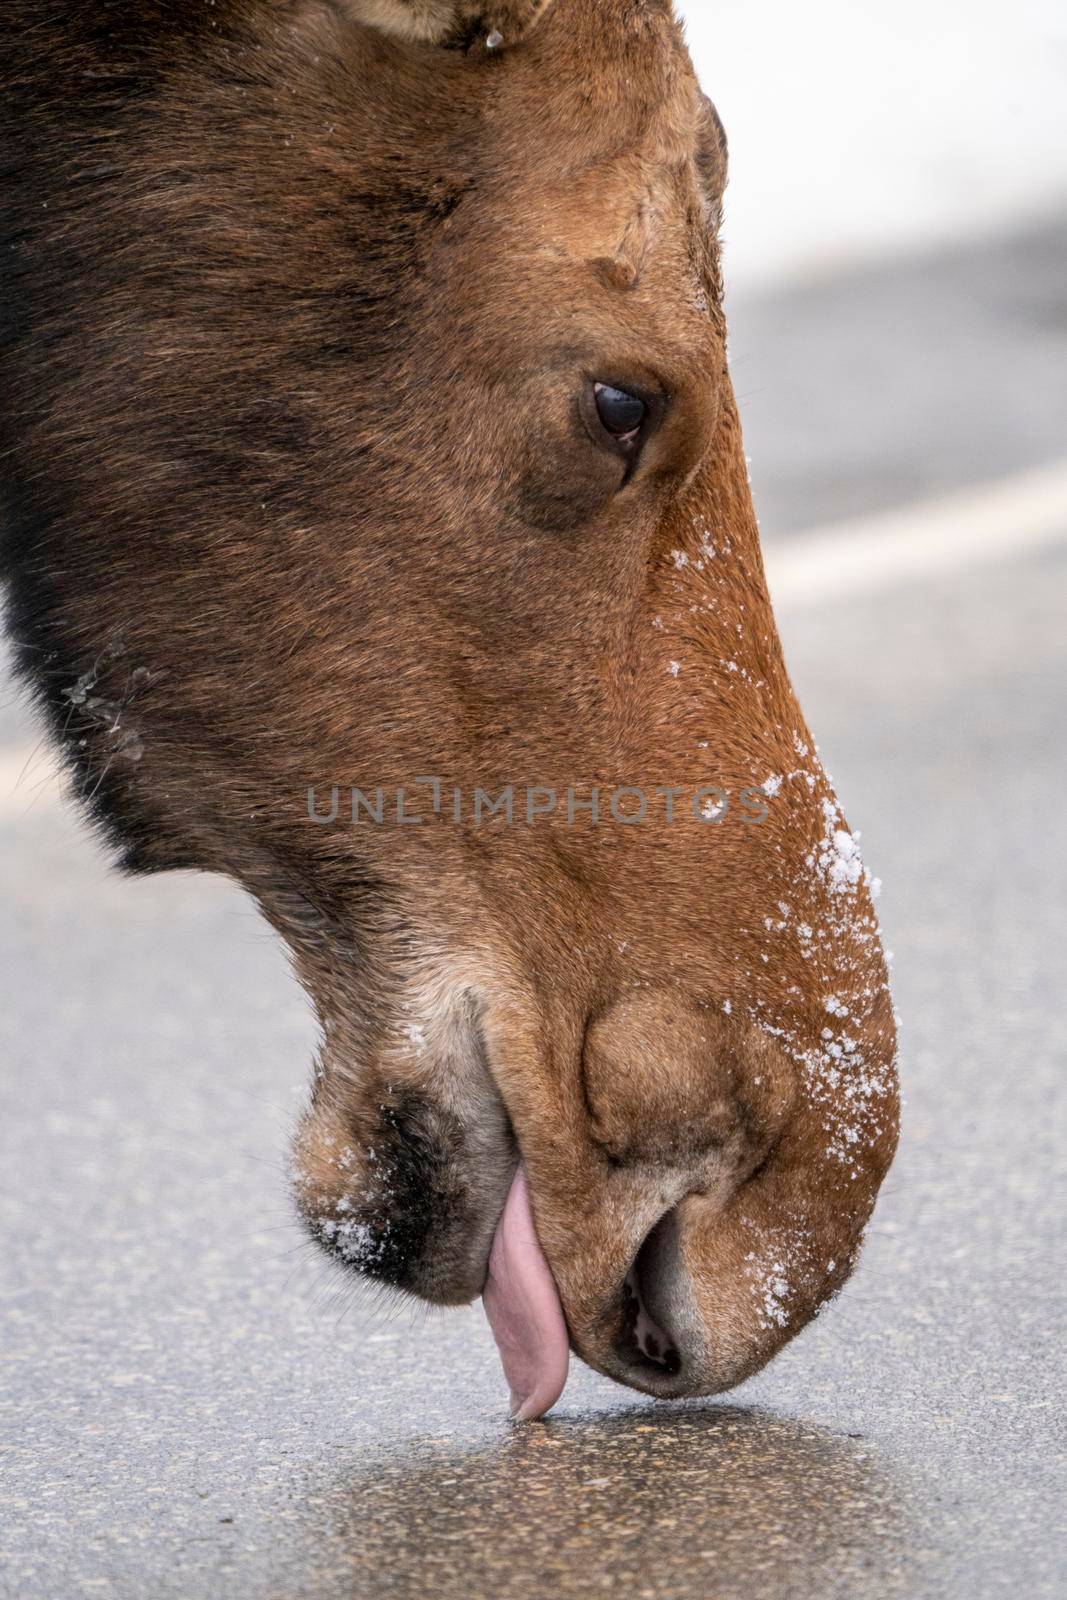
x=299 y=322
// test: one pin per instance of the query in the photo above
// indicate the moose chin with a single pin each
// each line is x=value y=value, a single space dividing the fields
x=364 y=408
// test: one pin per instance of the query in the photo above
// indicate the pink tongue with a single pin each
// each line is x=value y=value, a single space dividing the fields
x=524 y=1311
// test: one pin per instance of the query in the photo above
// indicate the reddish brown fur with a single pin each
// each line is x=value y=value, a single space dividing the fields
x=299 y=320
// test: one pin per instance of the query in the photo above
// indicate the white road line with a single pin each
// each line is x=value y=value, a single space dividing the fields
x=975 y=527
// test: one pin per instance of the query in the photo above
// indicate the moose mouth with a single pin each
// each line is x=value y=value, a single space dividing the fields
x=670 y=1250
x=524 y=1309
x=411 y=1237
x=526 y=1316
x=643 y=1345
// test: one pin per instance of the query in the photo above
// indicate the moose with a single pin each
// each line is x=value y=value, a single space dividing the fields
x=366 y=422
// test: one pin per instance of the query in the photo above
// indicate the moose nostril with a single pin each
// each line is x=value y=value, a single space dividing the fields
x=645 y=1342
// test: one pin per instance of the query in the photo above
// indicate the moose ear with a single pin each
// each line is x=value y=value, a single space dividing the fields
x=500 y=22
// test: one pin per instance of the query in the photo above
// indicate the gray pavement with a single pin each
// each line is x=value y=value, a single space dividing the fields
x=193 y=1406
x=899 y=382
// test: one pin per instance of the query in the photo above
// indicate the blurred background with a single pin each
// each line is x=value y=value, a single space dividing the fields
x=896 y=244
x=191 y=1405
x=860 y=133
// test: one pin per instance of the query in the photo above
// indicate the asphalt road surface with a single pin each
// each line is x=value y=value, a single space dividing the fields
x=192 y=1406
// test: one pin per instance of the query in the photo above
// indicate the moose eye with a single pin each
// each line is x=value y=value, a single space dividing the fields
x=622 y=415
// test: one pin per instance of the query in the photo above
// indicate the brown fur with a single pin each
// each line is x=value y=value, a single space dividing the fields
x=300 y=319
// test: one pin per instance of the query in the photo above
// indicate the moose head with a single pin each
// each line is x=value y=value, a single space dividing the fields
x=378 y=533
